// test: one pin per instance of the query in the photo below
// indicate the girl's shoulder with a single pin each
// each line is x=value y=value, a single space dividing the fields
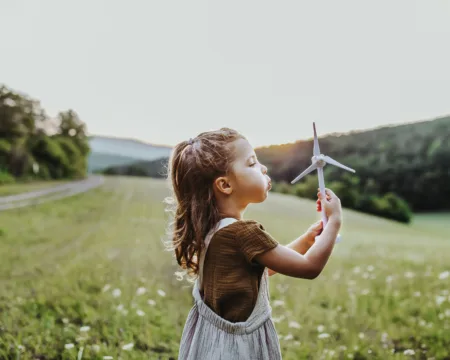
x=253 y=239
x=243 y=229
x=250 y=227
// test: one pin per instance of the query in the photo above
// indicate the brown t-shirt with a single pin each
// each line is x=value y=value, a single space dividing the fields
x=231 y=277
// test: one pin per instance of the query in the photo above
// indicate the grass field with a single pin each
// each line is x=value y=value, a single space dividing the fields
x=87 y=278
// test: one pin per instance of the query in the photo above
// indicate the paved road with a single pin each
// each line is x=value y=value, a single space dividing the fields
x=50 y=194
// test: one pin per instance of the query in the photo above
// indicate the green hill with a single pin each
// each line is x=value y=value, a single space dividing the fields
x=410 y=160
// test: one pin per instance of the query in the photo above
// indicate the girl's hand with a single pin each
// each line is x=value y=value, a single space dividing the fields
x=318 y=202
x=314 y=230
x=331 y=204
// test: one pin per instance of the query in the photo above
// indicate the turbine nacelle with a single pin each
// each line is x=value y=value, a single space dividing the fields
x=319 y=160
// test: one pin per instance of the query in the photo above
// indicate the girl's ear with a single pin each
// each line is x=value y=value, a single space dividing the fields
x=223 y=185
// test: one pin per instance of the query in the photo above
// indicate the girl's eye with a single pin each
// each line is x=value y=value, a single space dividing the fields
x=253 y=164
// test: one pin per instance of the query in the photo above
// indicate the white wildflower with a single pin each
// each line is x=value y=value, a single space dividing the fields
x=444 y=275
x=85 y=328
x=106 y=288
x=294 y=324
x=361 y=335
x=95 y=348
x=65 y=320
x=365 y=292
x=365 y=275
x=278 y=303
x=440 y=299
x=69 y=346
x=278 y=319
x=140 y=312
x=107 y=357
x=151 y=302
x=128 y=346
x=417 y=294
x=116 y=293
x=409 y=352
x=323 y=336
x=141 y=291
x=389 y=278
x=370 y=268
x=409 y=274
x=356 y=269
x=161 y=292
x=321 y=328
x=288 y=337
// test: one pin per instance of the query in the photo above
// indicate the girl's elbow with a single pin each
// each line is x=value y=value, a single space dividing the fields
x=312 y=273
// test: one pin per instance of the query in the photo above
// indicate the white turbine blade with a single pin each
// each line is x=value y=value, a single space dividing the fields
x=335 y=163
x=316 y=150
x=307 y=171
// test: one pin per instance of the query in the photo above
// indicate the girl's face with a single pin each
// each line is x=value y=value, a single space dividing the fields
x=249 y=178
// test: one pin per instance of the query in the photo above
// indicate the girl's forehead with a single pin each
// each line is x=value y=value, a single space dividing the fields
x=242 y=148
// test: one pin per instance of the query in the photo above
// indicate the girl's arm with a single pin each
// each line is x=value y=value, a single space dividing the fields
x=284 y=260
x=300 y=245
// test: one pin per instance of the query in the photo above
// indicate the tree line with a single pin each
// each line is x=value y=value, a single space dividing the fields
x=35 y=146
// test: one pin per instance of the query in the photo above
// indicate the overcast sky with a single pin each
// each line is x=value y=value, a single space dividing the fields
x=163 y=71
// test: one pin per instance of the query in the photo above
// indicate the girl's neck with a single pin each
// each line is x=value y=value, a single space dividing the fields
x=230 y=209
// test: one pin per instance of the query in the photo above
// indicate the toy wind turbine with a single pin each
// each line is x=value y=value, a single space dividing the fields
x=318 y=162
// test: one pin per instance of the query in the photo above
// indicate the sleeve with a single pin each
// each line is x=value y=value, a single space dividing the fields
x=254 y=240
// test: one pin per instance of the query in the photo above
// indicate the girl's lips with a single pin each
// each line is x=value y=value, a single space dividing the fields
x=270 y=185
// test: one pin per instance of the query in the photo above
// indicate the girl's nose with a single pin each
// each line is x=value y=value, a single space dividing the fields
x=264 y=169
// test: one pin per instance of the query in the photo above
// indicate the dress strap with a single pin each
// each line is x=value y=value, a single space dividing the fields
x=221 y=224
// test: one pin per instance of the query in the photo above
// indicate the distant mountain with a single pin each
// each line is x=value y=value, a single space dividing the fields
x=110 y=151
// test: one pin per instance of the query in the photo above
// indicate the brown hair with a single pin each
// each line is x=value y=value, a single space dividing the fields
x=193 y=167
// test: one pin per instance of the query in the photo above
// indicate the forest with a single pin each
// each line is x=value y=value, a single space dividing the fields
x=35 y=146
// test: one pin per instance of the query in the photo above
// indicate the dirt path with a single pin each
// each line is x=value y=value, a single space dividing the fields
x=50 y=194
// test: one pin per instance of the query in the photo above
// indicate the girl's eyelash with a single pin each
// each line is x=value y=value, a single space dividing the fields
x=253 y=164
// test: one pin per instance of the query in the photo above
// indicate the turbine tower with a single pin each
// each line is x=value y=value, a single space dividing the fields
x=318 y=162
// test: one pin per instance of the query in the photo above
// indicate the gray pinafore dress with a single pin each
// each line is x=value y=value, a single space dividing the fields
x=207 y=336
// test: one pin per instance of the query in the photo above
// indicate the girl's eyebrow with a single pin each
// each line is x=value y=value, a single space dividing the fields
x=252 y=156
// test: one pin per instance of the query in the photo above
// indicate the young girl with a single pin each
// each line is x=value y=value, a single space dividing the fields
x=214 y=177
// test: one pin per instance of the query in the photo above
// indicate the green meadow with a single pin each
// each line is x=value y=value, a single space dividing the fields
x=87 y=277
x=18 y=188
